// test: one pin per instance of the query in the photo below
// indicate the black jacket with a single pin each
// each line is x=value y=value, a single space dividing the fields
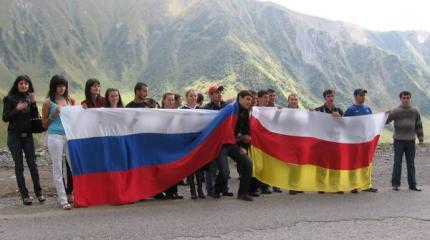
x=243 y=126
x=19 y=121
x=213 y=106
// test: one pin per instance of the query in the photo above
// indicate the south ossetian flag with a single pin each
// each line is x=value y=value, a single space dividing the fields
x=301 y=150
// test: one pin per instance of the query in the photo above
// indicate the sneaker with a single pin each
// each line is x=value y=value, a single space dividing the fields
x=228 y=194
x=395 y=188
x=415 y=188
x=266 y=191
x=253 y=194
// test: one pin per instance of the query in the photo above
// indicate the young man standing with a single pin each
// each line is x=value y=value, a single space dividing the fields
x=293 y=101
x=140 y=95
x=272 y=97
x=358 y=109
x=329 y=107
x=215 y=186
x=407 y=125
x=238 y=150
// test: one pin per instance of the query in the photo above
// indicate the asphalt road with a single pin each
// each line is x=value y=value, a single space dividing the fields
x=383 y=215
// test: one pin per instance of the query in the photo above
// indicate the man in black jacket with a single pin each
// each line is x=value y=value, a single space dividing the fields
x=238 y=150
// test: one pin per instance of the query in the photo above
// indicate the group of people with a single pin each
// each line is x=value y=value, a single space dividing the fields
x=21 y=111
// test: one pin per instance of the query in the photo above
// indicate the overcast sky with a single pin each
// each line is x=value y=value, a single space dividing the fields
x=378 y=15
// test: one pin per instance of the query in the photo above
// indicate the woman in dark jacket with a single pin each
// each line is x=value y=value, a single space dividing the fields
x=19 y=107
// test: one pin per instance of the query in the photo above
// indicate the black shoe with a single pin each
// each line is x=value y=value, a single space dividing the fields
x=160 y=196
x=254 y=194
x=395 y=188
x=193 y=196
x=339 y=192
x=277 y=190
x=415 y=189
x=374 y=190
x=228 y=194
x=215 y=195
x=354 y=191
x=201 y=195
x=292 y=192
x=27 y=201
x=245 y=198
x=266 y=191
x=321 y=192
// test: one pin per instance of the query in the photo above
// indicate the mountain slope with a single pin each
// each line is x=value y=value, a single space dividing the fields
x=174 y=44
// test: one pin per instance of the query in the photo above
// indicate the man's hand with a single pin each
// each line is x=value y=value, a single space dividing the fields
x=335 y=114
x=246 y=138
x=243 y=151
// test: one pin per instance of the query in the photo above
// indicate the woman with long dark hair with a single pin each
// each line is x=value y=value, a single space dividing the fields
x=58 y=97
x=93 y=99
x=19 y=107
x=113 y=98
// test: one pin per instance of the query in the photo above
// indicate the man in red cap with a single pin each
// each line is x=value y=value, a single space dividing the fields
x=211 y=180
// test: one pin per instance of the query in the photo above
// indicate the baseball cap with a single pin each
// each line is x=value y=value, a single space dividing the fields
x=359 y=91
x=215 y=89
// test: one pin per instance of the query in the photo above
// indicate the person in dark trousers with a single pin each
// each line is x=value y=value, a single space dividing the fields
x=220 y=163
x=359 y=109
x=168 y=102
x=237 y=151
x=263 y=100
x=191 y=98
x=330 y=108
x=407 y=125
x=140 y=95
x=19 y=107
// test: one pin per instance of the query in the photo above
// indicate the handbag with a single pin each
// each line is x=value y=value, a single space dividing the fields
x=36 y=125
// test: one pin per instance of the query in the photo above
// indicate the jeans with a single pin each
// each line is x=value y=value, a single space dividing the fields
x=221 y=183
x=244 y=167
x=210 y=176
x=408 y=149
x=199 y=180
x=18 y=144
x=57 y=146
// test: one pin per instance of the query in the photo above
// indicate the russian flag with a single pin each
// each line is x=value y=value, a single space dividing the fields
x=124 y=155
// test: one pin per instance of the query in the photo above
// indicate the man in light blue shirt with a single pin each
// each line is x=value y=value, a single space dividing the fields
x=358 y=109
